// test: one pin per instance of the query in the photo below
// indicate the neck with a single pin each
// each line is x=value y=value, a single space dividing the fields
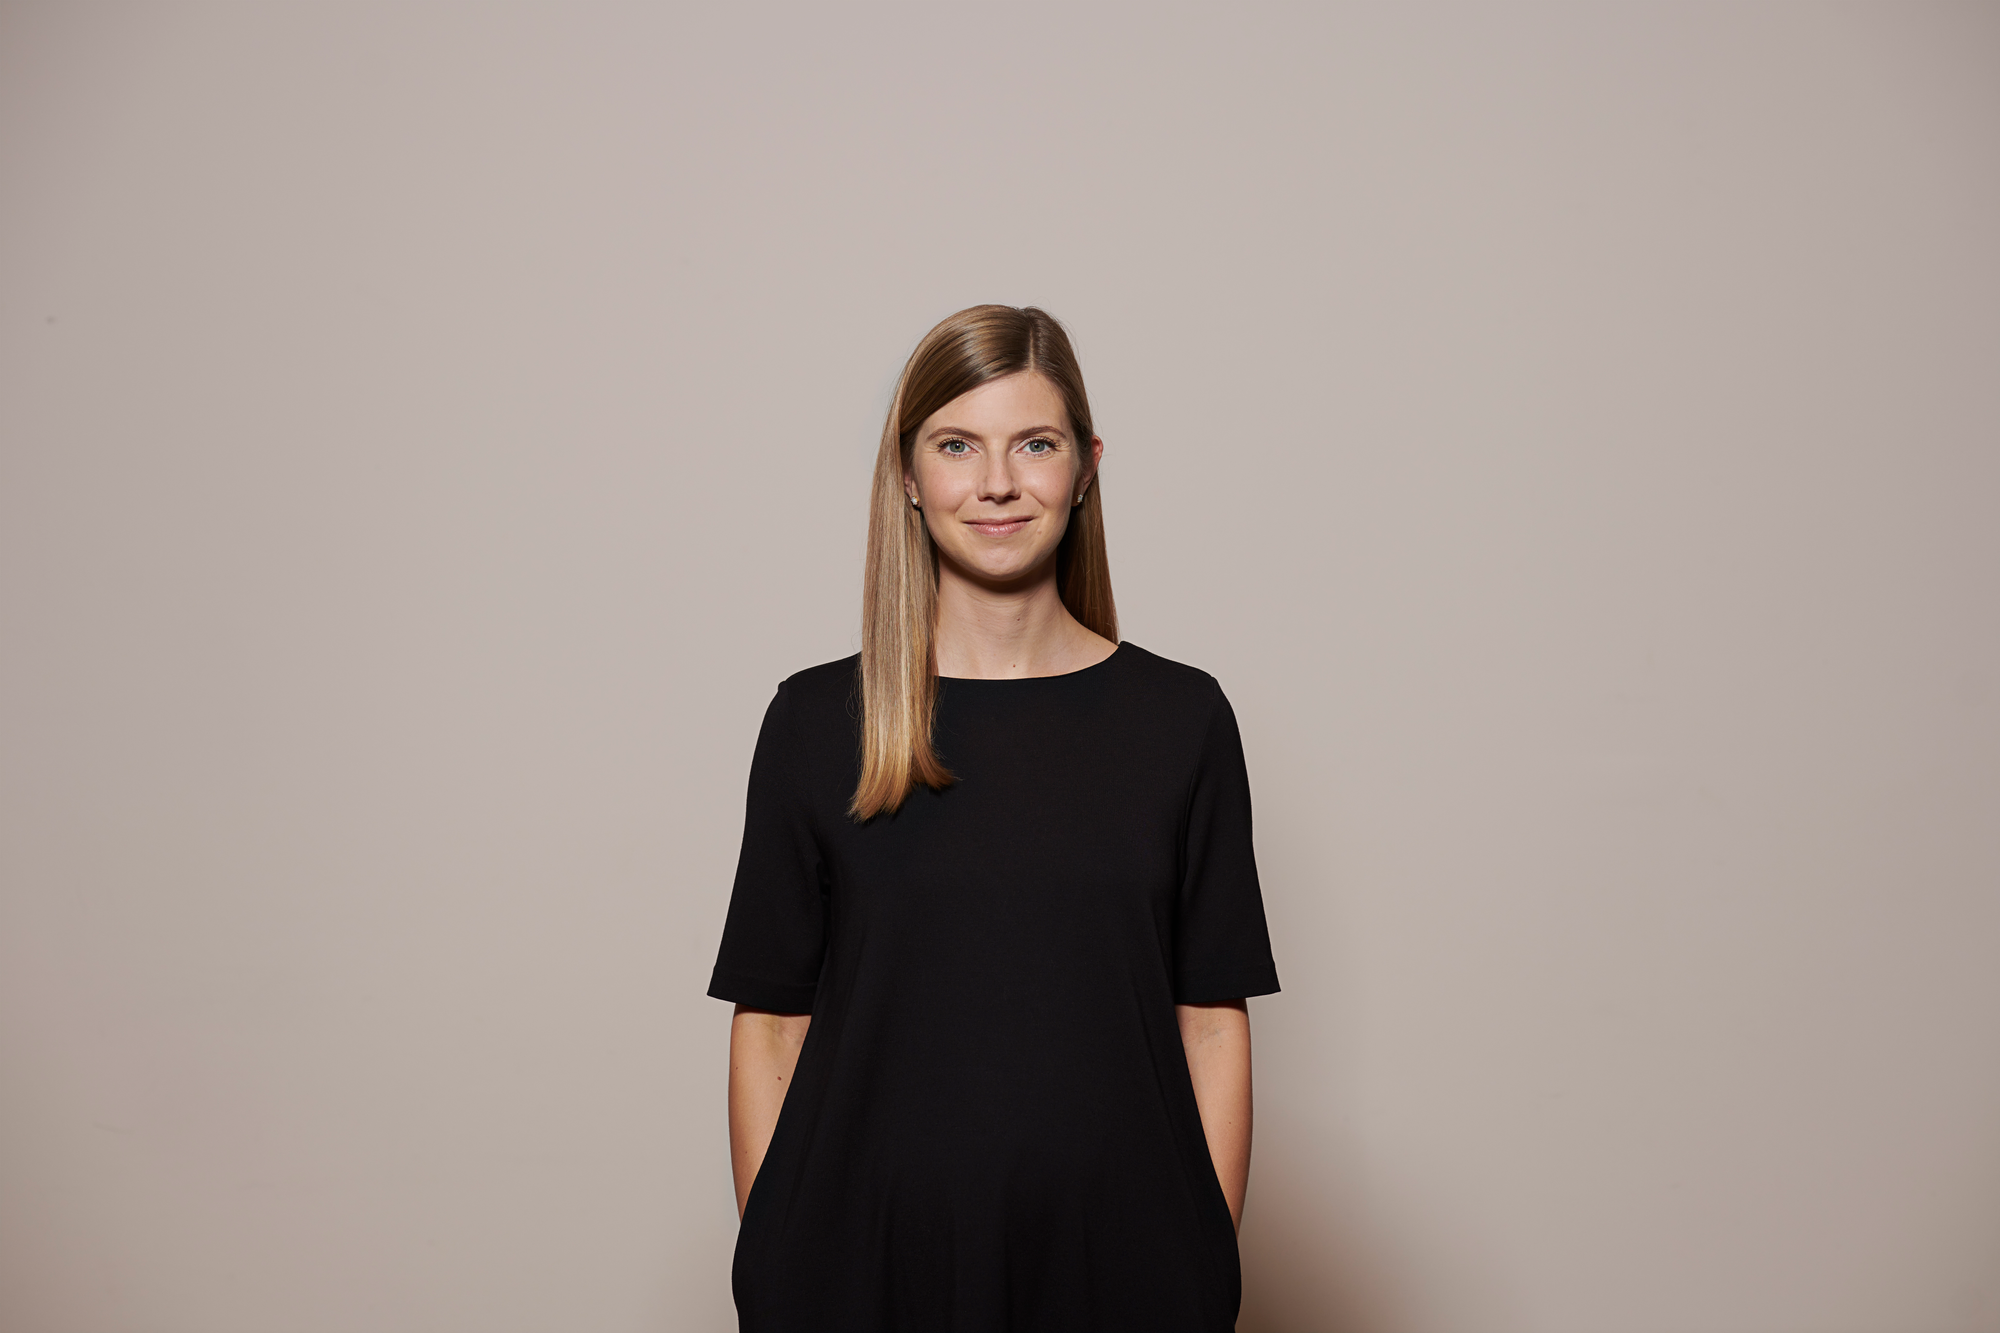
x=1001 y=633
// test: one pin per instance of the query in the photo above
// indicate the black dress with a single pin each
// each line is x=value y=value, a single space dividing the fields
x=992 y=1126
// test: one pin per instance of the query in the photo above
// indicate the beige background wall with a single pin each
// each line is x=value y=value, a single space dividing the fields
x=428 y=433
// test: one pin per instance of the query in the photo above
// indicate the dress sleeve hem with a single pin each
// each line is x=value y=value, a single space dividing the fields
x=777 y=996
x=1214 y=988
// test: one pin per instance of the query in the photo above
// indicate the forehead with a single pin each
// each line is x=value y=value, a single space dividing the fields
x=1025 y=400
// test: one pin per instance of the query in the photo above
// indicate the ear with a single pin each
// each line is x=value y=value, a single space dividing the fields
x=1089 y=473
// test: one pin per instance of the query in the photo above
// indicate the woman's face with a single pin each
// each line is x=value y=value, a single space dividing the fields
x=996 y=471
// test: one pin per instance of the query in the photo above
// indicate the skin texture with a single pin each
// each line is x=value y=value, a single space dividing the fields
x=996 y=472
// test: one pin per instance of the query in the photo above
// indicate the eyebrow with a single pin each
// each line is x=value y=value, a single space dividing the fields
x=974 y=435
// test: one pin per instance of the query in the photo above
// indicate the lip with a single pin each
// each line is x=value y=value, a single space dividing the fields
x=1003 y=527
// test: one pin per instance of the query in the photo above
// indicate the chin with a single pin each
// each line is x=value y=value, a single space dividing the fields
x=989 y=570
x=1011 y=573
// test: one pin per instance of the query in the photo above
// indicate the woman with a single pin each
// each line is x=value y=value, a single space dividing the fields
x=996 y=911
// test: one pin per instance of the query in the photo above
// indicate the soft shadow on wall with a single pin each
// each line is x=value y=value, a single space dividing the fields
x=1311 y=1262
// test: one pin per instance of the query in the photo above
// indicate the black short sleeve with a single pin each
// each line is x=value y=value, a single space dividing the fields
x=775 y=936
x=1222 y=948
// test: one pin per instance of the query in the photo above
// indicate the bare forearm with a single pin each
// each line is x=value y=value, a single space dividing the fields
x=763 y=1052
x=1217 y=1040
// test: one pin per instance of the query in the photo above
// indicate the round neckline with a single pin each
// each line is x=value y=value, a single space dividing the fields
x=1108 y=658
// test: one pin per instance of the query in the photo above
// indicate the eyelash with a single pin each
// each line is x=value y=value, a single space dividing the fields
x=944 y=447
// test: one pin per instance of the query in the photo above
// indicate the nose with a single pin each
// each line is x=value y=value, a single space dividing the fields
x=996 y=479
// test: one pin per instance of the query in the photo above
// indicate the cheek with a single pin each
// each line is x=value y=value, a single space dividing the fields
x=937 y=480
x=1057 y=488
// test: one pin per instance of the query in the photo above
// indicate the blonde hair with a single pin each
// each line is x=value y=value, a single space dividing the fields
x=898 y=669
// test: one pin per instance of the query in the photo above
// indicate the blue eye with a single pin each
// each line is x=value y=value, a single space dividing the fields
x=955 y=446
x=1040 y=446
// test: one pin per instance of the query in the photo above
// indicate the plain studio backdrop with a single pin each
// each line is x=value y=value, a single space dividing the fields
x=1569 y=434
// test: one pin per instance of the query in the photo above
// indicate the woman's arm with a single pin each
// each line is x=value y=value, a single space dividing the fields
x=763 y=1051
x=1217 y=1039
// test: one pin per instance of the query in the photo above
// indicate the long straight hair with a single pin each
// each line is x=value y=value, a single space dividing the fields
x=898 y=670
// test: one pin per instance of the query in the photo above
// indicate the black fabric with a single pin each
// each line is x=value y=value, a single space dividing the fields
x=991 y=1126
